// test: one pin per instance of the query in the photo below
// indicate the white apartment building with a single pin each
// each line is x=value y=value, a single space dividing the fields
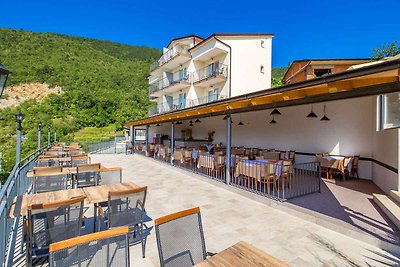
x=194 y=71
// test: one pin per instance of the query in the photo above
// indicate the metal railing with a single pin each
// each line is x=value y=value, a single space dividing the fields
x=169 y=81
x=17 y=184
x=296 y=180
x=168 y=55
x=177 y=104
x=116 y=146
x=213 y=70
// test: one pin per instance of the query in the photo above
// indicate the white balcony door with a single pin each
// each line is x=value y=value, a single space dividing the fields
x=183 y=74
x=182 y=100
x=212 y=69
x=213 y=95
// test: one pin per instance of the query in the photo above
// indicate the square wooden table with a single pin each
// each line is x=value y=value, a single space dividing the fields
x=242 y=254
x=97 y=194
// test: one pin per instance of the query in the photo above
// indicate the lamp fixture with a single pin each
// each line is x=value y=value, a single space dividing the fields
x=312 y=114
x=325 y=118
x=226 y=116
x=273 y=121
x=190 y=123
x=158 y=125
x=197 y=121
x=275 y=112
x=240 y=122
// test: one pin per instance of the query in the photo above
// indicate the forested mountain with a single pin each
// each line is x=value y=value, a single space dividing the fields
x=102 y=83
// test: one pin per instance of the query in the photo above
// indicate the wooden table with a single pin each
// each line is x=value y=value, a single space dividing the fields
x=20 y=205
x=96 y=194
x=93 y=194
x=242 y=254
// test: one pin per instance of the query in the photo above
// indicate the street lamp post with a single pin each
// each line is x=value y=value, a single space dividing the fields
x=48 y=136
x=39 y=133
x=55 y=135
x=19 y=129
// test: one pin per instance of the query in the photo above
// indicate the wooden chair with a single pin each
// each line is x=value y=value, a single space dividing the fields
x=259 y=157
x=346 y=172
x=76 y=153
x=292 y=155
x=47 y=182
x=101 y=249
x=86 y=174
x=354 y=166
x=127 y=208
x=325 y=154
x=180 y=239
x=270 y=176
x=49 y=223
x=287 y=173
x=47 y=162
x=282 y=155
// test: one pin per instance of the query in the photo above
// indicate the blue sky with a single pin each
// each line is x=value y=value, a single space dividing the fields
x=303 y=29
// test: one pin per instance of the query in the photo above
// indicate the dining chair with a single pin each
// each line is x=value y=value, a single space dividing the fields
x=79 y=160
x=259 y=157
x=292 y=155
x=76 y=153
x=180 y=239
x=282 y=155
x=325 y=154
x=287 y=173
x=47 y=162
x=86 y=174
x=127 y=208
x=354 y=166
x=47 y=170
x=52 y=222
x=346 y=172
x=101 y=249
x=270 y=176
x=47 y=182
x=108 y=176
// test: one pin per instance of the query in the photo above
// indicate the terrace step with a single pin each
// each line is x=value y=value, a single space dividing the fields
x=389 y=207
x=395 y=195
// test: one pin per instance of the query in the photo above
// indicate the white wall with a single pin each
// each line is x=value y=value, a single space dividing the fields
x=247 y=57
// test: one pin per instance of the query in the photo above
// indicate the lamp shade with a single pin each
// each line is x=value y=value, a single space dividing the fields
x=273 y=121
x=19 y=116
x=240 y=123
x=312 y=114
x=275 y=112
x=197 y=121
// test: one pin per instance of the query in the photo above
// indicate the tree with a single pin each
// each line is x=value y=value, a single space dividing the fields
x=386 y=50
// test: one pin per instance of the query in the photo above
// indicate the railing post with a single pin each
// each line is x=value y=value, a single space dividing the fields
x=19 y=129
x=48 y=136
x=172 y=142
x=39 y=135
x=228 y=150
x=147 y=140
x=319 y=177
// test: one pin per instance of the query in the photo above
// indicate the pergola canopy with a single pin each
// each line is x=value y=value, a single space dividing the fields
x=376 y=79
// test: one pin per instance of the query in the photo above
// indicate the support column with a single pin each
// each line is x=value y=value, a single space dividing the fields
x=228 y=149
x=147 y=141
x=48 y=136
x=398 y=159
x=131 y=134
x=39 y=136
x=172 y=142
x=18 y=152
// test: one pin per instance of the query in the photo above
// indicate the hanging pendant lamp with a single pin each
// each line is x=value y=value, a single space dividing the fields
x=275 y=112
x=158 y=125
x=312 y=114
x=325 y=118
x=273 y=121
x=197 y=121
x=190 y=123
x=240 y=122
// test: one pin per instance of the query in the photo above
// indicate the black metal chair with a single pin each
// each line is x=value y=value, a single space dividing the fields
x=49 y=223
x=101 y=249
x=47 y=182
x=180 y=239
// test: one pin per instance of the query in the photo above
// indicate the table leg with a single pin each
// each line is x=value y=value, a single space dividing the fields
x=95 y=206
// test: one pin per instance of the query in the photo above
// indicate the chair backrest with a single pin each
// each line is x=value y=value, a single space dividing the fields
x=47 y=162
x=180 y=238
x=46 y=170
x=76 y=153
x=101 y=249
x=259 y=157
x=325 y=154
x=79 y=160
x=126 y=208
x=346 y=161
x=292 y=154
x=271 y=167
x=53 y=222
x=53 y=153
x=86 y=174
x=356 y=158
x=282 y=155
x=47 y=182
x=287 y=166
x=109 y=175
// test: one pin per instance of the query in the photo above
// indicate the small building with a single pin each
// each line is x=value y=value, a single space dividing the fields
x=194 y=71
x=306 y=69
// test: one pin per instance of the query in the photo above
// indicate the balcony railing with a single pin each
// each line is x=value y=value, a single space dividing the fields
x=213 y=70
x=177 y=104
x=167 y=56
x=169 y=81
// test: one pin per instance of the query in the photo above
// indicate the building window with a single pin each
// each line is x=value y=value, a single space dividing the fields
x=322 y=72
x=183 y=75
x=262 y=69
x=262 y=43
x=182 y=100
x=213 y=95
x=140 y=135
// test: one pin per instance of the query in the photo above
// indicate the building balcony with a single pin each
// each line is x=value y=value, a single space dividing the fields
x=177 y=104
x=176 y=81
x=210 y=75
x=171 y=59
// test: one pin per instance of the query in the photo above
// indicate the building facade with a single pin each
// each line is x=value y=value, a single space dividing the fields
x=194 y=71
x=302 y=70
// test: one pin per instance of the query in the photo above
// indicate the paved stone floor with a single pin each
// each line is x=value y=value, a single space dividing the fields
x=229 y=217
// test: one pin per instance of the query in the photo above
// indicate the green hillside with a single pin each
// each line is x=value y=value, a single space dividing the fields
x=104 y=83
